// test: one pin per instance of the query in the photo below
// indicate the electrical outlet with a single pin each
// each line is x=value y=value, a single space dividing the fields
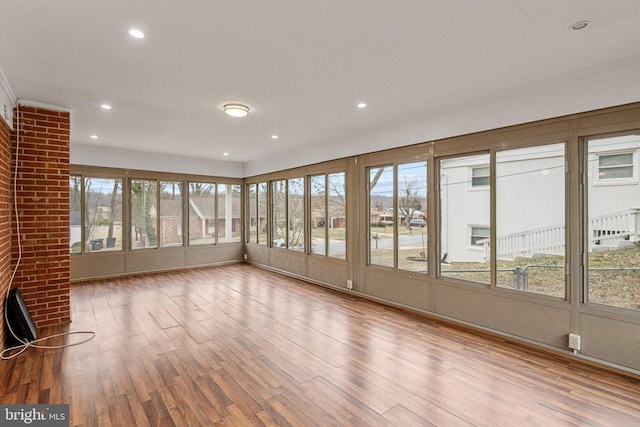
x=574 y=342
x=246 y=257
x=349 y=284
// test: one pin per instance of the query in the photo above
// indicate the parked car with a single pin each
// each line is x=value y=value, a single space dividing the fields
x=384 y=223
x=417 y=223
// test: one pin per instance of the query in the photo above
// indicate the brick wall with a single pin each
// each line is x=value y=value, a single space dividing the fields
x=41 y=143
x=5 y=215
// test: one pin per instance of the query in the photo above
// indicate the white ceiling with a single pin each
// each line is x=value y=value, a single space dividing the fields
x=303 y=66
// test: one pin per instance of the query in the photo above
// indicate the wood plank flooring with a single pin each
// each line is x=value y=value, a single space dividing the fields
x=237 y=345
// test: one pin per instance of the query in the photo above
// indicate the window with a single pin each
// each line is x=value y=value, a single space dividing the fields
x=336 y=222
x=479 y=236
x=611 y=233
x=279 y=213
x=295 y=213
x=202 y=210
x=318 y=225
x=229 y=220
x=381 y=216
x=101 y=218
x=262 y=213
x=480 y=176
x=412 y=216
x=616 y=167
x=328 y=232
x=252 y=214
x=459 y=207
x=530 y=219
x=144 y=214
x=170 y=213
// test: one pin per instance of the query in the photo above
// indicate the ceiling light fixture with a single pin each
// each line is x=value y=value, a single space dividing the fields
x=105 y=107
x=581 y=25
x=362 y=105
x=236 y=110
x=274 y=136
x=136 y=33
x=94 y=136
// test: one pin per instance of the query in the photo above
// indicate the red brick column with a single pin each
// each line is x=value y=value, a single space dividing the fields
x=5 y=218
x=40 y=146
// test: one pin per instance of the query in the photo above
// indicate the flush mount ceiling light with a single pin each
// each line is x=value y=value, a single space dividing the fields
x=581 y=25
x=362 y=105
x=105 y=107
x=236 y=110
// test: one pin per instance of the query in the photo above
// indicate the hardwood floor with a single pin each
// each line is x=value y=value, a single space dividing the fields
x=238 y=345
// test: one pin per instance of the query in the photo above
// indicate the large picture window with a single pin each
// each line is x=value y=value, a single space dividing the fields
x=202 y=211
x=530 y=219
x=102 y=221
x=611 y=233
x=144 y=214
x=170 y=213
x=328 y=215
x=411 y=207
x=229 y=210
x=464 y=217
x=382 y=216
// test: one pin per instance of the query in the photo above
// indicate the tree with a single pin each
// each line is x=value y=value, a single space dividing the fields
x=408 y=200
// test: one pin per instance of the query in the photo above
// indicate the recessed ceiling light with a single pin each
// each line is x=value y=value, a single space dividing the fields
x=105 y=107
x=236 y=110
x=581 y=25
x=136 y=33
x=225 y=154
x=94 y=136
x=362 y=105
x=274 y=136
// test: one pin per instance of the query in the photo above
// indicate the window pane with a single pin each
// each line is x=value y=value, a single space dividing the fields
x=262 y=213
x=279 y=220
x=613 y=274
x=229 y=221
x=337 y=220
x=461 y=209
x=102 y=210
x=202 y=209
x=75 y=220
x=480 y=176
x=530 y=219
x=318 y=224
x=170 y=213
x=252 y=214
x=296 y=214
x=381 y=217
x=412 y=217
x=144 y=213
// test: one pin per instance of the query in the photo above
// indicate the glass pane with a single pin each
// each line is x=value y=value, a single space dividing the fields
x=252 y=213
x=144 y=214
x=616 y=172
x=412 y=216
x=279 y=220
x=337 y=221
x=170 y=213
x=616 y=160
x=262 y=213
x=202 y=211
x=103 y=214
x=461 y=209
x=530 y=219
x=318 y=200
x=229 y=221
x=480 y=176
x=296 y=214
x=381 y=217
x=75 y=221
x=613 y=274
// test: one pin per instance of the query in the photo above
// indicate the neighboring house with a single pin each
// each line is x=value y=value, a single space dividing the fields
x=530 y=201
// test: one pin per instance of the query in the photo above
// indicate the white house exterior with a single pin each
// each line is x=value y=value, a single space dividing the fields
x=530 y=200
